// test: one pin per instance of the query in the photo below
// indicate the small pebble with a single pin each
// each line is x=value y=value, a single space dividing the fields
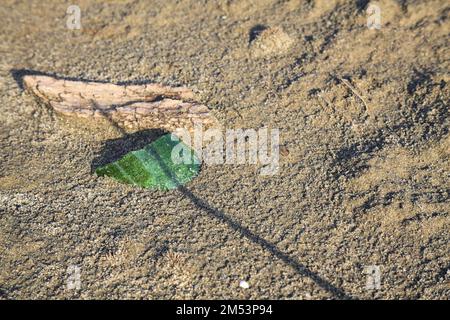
x=244 y=284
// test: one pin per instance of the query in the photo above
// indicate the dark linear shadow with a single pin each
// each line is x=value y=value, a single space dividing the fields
x=298 y=267
x=201 y=204
x=116 y=148
x=18 y=75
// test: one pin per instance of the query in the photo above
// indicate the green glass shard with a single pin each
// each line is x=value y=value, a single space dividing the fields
x=153 y=167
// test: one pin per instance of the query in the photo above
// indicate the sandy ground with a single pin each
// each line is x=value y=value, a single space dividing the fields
x=364 y=172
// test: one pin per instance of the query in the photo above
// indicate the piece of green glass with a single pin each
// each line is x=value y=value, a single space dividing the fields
x=153 y=167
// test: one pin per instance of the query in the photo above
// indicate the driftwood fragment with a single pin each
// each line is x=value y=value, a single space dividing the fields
x=355 y=92
x=130 y=107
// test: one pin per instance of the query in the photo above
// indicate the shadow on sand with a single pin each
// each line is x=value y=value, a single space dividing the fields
x=116 y=148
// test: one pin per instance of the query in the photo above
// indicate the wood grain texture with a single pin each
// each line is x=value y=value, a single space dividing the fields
x=130 y=107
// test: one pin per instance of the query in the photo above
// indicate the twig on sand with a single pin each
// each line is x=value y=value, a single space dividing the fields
x=355 y=92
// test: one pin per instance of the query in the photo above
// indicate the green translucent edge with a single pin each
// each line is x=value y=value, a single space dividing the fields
x=152 y=166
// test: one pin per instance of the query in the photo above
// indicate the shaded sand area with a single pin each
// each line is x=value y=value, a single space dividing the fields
x=364 y=163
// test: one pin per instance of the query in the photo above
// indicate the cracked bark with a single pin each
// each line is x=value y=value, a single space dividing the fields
x=130 y=107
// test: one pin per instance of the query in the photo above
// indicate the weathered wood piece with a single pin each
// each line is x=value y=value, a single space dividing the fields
x=131 y=107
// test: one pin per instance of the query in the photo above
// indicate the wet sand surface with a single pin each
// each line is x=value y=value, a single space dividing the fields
x=363 y=182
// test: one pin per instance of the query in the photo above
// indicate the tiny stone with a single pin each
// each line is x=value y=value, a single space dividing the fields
x=244 y=284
